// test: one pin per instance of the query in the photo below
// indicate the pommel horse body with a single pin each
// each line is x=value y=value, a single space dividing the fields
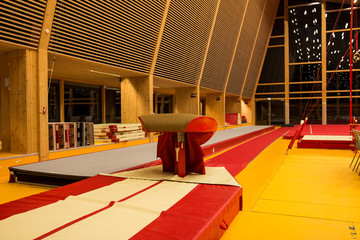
x=179 y=145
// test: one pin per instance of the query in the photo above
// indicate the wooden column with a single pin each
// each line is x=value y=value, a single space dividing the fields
x=4 y=102
x=187 y=100
x=42 y=88
x=136 y=98
x=215 y=107
x=286 y=58
x=23 y=101
x=323 y=62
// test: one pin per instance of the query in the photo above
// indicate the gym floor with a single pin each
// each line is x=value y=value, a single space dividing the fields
x=306 y=194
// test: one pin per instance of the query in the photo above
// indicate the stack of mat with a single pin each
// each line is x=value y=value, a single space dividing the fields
x=108 y=133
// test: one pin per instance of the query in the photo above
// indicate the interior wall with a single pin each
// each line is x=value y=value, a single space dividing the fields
x=246 y=110
x=185 y=102
x=232 y=105
x=215 y=107
x=4 y=103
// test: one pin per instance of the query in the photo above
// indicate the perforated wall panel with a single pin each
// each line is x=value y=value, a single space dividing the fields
x=21 y=21
x=222 y=44
x=186 y=34
x=119 y=33
x=245 y=45
x=260 y=48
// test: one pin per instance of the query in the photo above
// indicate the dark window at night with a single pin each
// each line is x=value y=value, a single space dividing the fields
x=305 y=73
x=273 y=70
x=297 y=109
x=82 y=103
x=54 y=101
x=305 y=33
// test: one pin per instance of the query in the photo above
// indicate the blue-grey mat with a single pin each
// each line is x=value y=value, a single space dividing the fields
x=110 y=161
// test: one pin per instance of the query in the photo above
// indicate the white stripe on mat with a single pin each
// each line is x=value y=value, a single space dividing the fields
x=39 y=221
x=125 y=219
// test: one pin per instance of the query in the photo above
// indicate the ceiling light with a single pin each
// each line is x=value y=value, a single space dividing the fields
x=105 y=73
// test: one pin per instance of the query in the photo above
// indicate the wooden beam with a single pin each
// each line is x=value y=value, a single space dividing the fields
x=161 y=32
x=286 y=61
x=323 y=62
x=43 y=79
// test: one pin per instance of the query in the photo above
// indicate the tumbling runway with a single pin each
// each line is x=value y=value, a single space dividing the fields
x=112 y=207
x=87 y=165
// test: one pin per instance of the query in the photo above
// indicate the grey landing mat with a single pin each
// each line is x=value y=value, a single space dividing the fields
x=110 y=161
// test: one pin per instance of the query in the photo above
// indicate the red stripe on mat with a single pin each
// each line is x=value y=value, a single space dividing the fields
x=236 y=159
x=54 y=195
x=93 y=213
x=204 y=213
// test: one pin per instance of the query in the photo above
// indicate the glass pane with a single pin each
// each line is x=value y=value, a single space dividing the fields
x=276 y=41
x=54 y=101
x=297 y=110
x=341 y=81
x=113 y=105
x=305 y=34
x=305 y=87
x=262 y=112
x=338 y=47
x=338 y=110
x=274 y=60
x=277 y=112
x=267 y=96
x=164 y=103
x=298 y=2
x=344 y=20
x=278 y=28
x=82 y=103
x=270 y=88
x=305 y=73
x=332 y=6
x=280 y=11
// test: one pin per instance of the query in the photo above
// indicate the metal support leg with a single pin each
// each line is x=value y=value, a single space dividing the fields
x=353 y=157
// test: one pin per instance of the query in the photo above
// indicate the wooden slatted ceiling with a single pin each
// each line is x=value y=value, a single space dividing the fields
x=243 y=51
x=118 y=33
x=184 y=41
x=260 y=48
x=21 y=22
x=222 y=44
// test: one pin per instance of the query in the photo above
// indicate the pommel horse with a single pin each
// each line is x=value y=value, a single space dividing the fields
x=179 y=145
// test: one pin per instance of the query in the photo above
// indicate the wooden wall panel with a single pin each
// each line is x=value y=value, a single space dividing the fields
x=136 y=98
x=183 y=45
x=4 y=103
x=215 y=107
x=184 y=103
x=232 y=105
x=245 y=45
x=222 y=44
x=259 y=52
